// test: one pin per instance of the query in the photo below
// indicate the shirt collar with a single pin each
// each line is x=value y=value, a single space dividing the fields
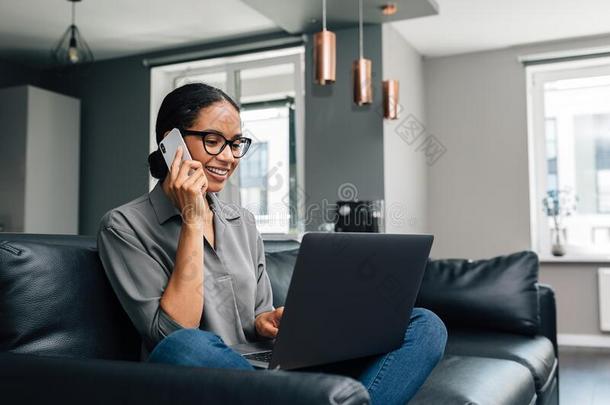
x=165 y=209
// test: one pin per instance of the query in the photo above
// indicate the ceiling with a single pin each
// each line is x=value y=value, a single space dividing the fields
x=29 y=29
x=298 y=16
x=475 y=25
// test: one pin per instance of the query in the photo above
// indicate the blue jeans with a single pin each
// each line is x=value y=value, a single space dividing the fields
x=391 y=378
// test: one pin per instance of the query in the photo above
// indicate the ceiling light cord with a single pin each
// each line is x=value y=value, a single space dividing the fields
x=360 y=40
x=323 y=15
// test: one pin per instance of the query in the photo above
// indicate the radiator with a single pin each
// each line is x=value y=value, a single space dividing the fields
x=604 y=298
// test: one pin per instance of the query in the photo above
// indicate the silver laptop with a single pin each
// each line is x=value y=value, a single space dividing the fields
x=351 y=295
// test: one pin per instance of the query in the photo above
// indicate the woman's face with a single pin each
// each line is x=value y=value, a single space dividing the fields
x=223 y=118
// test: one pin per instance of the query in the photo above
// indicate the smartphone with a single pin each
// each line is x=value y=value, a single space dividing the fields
x=169 y=145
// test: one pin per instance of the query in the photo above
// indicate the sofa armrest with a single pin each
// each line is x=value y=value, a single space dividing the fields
x=548 y=314
x=29 y=378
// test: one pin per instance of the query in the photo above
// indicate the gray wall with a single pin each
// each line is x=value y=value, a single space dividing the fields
x=577 y=296
x=340 y=138
x=114 y=133
x=13 y=119
x=14 y=74
x=343 y=142
x=479 y=191
x=405 y=168
x=115 y=105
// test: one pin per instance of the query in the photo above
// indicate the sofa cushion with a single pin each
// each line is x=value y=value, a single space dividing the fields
x=280 y=265
x=498 y=294
x=459 y=380
x=56 y=300
x=535 y=353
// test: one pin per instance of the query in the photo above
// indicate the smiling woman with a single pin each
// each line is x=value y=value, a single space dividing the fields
x=267 y=85
x=151 y=247
x=195 y=104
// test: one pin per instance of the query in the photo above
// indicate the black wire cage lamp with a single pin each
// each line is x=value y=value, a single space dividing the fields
x=72 y=48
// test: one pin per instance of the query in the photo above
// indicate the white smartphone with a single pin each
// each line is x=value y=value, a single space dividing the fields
x=169 y=145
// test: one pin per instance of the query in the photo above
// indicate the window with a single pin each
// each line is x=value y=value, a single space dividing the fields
x=252 y=180
x=569 y=116
x=269 y=88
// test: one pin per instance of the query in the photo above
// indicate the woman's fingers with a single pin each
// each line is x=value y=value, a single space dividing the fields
x=269 y=330
x=265 y=325
x=202 y=183
x=173 y=171
x=271 y=323
x=183 y=173
x=196 y=175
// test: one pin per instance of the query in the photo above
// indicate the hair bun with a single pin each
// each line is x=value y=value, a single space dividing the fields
x=158 y=167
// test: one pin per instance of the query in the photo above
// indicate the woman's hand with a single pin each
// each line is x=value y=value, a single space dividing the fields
x=186 y=185
x=267 y=324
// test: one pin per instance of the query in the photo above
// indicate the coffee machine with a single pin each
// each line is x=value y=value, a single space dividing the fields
x=359 y=216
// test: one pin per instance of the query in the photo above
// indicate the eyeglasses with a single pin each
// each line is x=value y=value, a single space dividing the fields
x=214 y=143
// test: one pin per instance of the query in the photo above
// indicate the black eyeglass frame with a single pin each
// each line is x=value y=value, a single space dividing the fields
x=203 y=135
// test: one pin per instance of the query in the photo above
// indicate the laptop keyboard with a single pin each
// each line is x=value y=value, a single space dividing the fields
x=260 y=356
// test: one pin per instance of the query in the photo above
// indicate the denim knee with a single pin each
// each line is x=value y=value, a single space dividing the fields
x=183 y=341
x=433 y=328
x=200 y=348
x=191 y=337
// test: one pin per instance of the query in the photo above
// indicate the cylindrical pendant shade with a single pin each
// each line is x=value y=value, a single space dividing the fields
x=324 y=57
x=390 y=99
x=363 y=84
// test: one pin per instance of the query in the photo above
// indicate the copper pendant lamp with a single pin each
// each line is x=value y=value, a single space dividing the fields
x=324 y=53
x=390 y=99
x=362 y=70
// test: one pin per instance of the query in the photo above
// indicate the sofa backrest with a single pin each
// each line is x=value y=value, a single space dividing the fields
x=280 y=258
x=498 y=294
x=55 y=300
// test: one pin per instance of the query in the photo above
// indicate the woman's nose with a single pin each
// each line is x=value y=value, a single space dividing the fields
x=226 y=155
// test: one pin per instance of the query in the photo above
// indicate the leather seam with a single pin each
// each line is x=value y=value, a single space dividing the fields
x=551 y=377
x=6 y=246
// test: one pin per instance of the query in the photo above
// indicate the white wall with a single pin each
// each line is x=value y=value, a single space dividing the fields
x=479 y=190
x=39 y=169
x=404 y=167
x=52 y=162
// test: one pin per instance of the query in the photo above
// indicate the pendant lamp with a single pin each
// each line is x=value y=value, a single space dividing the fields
x=361 y=70
x=72 y=48
x=390 y=99
x=324 y=53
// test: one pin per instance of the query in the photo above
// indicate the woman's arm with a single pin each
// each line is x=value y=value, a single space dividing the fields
x=183 y=297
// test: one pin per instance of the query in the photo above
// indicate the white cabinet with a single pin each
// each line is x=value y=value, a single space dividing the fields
x=39 y=161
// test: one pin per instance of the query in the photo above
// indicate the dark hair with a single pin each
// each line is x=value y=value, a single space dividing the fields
x=180 y=109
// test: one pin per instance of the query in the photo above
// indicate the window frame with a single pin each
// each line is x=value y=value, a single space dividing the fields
x=536 y=77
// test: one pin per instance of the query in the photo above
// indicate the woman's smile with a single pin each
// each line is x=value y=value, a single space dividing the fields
x=216 y=172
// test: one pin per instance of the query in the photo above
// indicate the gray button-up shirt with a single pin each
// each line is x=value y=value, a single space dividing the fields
x=137 y=244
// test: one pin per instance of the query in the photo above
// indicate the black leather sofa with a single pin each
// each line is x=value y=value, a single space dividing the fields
x=65 y=338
